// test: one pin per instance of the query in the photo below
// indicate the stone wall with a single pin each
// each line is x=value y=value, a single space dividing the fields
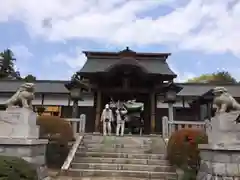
x=32 y=151
x=219 y=163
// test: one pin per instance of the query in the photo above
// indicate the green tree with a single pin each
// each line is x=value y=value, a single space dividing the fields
x=7 y=61
x=218 y=77
x=29 y=78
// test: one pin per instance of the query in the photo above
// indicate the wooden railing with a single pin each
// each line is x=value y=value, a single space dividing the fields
x=171 y=126
x=78 y=125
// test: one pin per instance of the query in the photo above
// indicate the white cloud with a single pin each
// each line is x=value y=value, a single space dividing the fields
x=209 y=26
x=21 y=52
x=76 y=60
x=181 y=76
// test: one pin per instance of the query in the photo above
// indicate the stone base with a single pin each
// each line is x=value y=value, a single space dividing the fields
x=19 y=131
x=31 y=150
x=224 y=128
x=219 y=162
x=18 y=122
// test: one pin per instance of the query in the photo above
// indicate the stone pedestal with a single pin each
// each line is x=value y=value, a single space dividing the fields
x=18 y=123
x=219 y=162
x=19 y=136
x=224 y=129
x=220 y=159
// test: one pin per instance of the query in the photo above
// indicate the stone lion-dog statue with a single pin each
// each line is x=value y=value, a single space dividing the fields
x=224 y=101
x=23 y=97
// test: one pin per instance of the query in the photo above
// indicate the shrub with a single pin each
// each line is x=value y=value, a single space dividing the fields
x=59 y=133
x=56 y=154
x=55 y=129
x=182 y=149
x=13 y=168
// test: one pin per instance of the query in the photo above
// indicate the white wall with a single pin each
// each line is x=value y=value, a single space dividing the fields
x=52 y=99
x=177 y=104
x=63 y=100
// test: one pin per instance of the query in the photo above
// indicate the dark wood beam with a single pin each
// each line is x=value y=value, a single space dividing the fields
x=120 y=89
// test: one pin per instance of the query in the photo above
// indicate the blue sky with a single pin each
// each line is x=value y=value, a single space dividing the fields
x=48 y=37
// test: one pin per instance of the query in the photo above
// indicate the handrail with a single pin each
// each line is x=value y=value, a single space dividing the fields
x=71 y=154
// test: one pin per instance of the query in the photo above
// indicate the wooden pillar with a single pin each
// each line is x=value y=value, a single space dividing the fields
x=42 y=96
x=98 y=110
x=153 y=109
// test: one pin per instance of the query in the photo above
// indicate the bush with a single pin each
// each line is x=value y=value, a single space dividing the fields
x=59 y=133
x=56 y=154
x=13 y=168
x=55 y=129
x=182 y=149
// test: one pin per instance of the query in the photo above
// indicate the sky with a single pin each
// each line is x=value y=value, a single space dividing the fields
x=48 y=36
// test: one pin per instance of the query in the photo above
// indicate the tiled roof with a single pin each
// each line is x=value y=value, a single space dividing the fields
x=47 y=86
x=153 y=66
x=198 y=89
x=41 y=86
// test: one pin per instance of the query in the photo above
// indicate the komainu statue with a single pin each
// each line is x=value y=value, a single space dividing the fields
x=23 y=97
x=224 y=101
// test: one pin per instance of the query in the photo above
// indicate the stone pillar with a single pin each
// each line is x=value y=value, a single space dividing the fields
x=19 y=136
x=75 y=109
x=153 y=109
x=98 y=110
x=170 y=115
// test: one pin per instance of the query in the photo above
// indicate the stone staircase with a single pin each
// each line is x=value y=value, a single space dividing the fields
x=126 y=157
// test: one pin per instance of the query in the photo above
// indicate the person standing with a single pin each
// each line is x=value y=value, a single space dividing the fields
x=121 y=116
x=107 y=118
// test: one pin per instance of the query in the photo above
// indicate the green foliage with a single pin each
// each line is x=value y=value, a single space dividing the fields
x=13 y=168
x=7 y=70
x=218 y=77
x=56 y=154
x=7 y=61
x=29 y=78
x=59 y=133
x=189 y=175
x=182 y=149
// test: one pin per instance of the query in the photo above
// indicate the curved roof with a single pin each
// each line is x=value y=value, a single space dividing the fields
x=153 y=66
x=153 y=63
x=58 y=87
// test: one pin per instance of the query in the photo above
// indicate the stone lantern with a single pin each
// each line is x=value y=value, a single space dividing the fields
x=75 y=88
x=171 y=91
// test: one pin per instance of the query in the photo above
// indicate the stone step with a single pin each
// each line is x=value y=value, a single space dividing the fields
x=115 y=145
x=120 y=173
x=130 y=167
x=103 y=178
x=120 y=161
x=122 y=140
x=115 y=150
x=120 y=155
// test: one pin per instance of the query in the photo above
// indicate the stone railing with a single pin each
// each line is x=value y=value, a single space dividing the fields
x=78 y=125
x=71 y=153
x=171 y=126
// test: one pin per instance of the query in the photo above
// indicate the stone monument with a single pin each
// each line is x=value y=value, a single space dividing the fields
x=220 y=158
x=19 y=134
